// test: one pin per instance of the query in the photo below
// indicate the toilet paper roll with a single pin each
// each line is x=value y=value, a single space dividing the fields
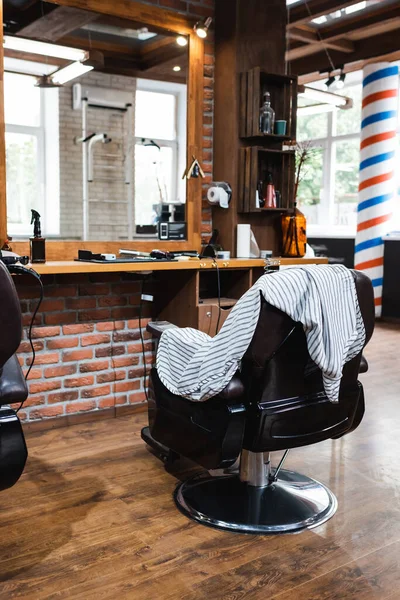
x=243 y=241
x=217 y=195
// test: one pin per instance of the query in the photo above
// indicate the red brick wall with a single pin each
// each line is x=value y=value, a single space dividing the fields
x=87 y=332
x=87 y=342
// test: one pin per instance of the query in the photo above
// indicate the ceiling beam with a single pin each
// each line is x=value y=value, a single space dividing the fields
x=366 y=49
x=57 y=24
x=343 y=45
x=37 y=58
x=103 y=46
x=349 y=68
x=162 y=55
x=317 y=8
x=302 y=34
x=376 y=15
x=340 y=36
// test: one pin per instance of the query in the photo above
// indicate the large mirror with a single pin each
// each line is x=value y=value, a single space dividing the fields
x=95 y=122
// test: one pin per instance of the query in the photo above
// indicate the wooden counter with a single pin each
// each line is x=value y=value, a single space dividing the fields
x=70 y=266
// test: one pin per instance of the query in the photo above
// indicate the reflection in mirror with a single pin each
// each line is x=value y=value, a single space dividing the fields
x=97 y=145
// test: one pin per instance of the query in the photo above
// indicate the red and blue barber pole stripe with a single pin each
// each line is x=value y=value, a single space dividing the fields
x=377 y=182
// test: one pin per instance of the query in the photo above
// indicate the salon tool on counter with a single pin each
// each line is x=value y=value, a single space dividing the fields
x=128 y=256
x=212 y=247
x=37 y=242
x=220 y=193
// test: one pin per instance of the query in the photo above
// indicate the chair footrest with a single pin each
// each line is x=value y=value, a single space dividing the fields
x=290 y=504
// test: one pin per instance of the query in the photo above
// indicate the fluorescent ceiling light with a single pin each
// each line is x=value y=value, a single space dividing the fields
x=355 y=7
x=315 y=109
x=69 y=72
x=28 y=67
x=43 y=48
x=326 y=97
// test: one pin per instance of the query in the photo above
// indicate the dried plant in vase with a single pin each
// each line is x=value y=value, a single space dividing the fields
x=294 y=236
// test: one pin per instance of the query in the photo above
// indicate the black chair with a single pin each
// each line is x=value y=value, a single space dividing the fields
x=275 y=403
x=13 y=388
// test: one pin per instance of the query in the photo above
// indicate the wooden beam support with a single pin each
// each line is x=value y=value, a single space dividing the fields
x=360 y=21
x=134 y=11
x=49 y=60
x=349 y=68
x=57 y=24
x=318 y=8
x=302 y=34
x=366 y=49
x=345 y=46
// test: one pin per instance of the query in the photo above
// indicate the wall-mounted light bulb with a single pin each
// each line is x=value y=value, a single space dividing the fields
x=201 y=27
x=181 y=40
x=176 y=68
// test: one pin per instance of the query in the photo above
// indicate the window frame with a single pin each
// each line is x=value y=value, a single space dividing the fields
x=179 y=144
x=47 y=146
x=327 y=200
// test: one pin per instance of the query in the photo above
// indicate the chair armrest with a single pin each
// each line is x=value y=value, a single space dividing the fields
x=363 y=365
x=157 y=328
x=234 y=390
x=13 y=386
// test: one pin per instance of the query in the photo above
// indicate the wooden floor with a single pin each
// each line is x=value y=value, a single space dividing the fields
x=93 y=518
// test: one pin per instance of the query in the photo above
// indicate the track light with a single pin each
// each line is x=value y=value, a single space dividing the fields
x=340 y=81
x=181 y=40
x=330 y=80
x=201 y=27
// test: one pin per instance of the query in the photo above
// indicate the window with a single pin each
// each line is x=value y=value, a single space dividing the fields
x=31 y=117
x=160 y=147
x=328 y=192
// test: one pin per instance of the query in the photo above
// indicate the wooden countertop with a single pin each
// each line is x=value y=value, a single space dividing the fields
x=70 y=266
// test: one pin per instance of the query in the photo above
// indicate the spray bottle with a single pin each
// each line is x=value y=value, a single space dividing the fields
x=37 y=242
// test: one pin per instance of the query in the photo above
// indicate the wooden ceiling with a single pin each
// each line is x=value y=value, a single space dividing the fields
x=351 y=37
x=124 y=52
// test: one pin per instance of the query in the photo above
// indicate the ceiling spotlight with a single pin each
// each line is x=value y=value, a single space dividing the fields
x=330 y=80
x=176 y=68
x=201 y=27
x=340 y=81
x=181 y=40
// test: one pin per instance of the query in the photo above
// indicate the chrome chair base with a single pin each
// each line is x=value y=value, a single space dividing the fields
x=290 y=504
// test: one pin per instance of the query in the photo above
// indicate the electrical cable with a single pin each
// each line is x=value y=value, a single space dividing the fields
x=320 y=37
x=20 y=270
x=219 y=295
x=142 y=340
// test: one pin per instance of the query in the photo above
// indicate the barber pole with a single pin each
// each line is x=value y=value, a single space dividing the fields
x=377 y=180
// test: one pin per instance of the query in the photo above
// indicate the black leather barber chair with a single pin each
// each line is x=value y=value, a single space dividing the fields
x=13 y=388
x=277 y=402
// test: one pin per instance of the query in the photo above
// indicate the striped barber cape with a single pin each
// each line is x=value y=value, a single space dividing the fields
x=323 y=298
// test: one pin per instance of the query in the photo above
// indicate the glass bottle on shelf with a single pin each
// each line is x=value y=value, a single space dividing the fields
x=267 y=115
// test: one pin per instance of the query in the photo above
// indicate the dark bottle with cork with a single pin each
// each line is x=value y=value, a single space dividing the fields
x=37 y=242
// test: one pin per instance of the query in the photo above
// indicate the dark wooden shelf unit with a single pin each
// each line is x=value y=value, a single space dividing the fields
x=255 y=162
x=283 y=90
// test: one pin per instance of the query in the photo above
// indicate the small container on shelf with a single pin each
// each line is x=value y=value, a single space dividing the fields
x=267 y=115
x=272 y=92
